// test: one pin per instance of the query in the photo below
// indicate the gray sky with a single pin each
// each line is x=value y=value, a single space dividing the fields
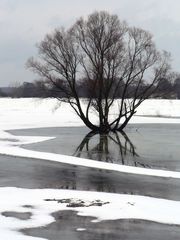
x=23 y=23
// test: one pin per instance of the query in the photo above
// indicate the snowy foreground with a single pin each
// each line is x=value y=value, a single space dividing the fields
x=34 y=113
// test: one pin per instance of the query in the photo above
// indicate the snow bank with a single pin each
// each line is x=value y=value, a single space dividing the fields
x=160 y=108
x=34 y=112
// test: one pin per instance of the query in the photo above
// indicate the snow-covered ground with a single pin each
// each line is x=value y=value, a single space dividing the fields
x=34 y=113
x=28 y=113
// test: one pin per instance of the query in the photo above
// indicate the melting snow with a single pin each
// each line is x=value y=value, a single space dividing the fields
x=29 y=113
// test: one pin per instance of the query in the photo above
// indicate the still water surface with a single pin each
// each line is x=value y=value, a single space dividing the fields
x=142 y=145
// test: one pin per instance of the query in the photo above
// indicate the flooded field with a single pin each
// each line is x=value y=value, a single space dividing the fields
x=148 y=146
x=142 y=145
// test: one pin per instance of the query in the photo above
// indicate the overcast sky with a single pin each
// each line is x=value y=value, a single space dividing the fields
x=23 y=23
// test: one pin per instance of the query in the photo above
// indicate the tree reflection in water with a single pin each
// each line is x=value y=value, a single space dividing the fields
x=114 y=147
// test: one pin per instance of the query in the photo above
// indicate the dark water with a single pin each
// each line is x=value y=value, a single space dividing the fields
x=67 y=222
x=148 y=146
x=34 y=173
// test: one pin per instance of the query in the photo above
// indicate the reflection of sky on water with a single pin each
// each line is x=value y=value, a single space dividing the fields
x=143 y=145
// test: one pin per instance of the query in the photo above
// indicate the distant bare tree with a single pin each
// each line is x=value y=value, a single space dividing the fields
x=110 y=59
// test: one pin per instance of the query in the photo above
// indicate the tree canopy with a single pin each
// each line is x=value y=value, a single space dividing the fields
x=115 y=64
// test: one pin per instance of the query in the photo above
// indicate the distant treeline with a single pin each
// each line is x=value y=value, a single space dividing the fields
x=166 y=89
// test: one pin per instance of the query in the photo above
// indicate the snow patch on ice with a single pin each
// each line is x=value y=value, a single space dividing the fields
x=20 y=152
x=120 y=206
x=81 y=229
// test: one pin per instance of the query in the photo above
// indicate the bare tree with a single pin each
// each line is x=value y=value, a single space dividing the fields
x=110 y=59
